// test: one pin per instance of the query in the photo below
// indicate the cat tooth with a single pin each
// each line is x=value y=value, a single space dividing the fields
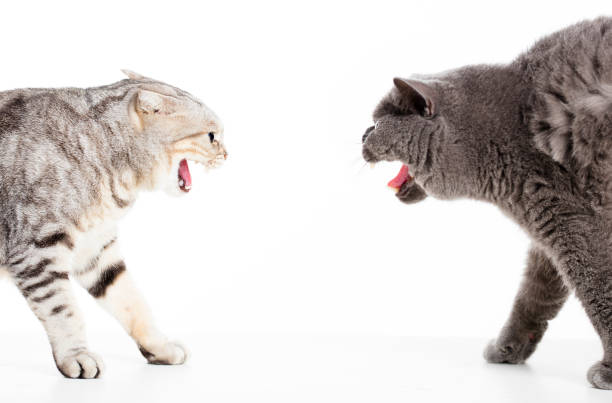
x=372 y=165
x=181 y=183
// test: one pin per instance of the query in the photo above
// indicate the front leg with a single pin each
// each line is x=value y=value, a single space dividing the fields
x=540 y=298
x=107 y=280
x=41 y=275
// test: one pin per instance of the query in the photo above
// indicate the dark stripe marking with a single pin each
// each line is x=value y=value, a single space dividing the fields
x=12 y=114
x=16 y=262
x=121 y=203
x=58 y=309
x=101 y=107
x=54 y=239
x=107 y=278
x=543 y=126
x=108 y=244
x=53 y=277
x=59 y=275
x=558 y=95
x=44 y=297
x=35 y=271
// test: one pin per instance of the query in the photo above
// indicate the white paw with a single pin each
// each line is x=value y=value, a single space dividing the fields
x=170 y=353
x=83 y=364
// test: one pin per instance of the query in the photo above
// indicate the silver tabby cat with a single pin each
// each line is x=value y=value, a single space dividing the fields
x=533 y=137
x=72 y=162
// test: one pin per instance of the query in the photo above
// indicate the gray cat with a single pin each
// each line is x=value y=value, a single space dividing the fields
x=72 y=162
x=533 y=137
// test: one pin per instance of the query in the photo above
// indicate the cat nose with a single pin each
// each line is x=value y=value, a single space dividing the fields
x=367 y=133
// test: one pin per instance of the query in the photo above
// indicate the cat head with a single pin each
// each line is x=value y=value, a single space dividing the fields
x=185 y=128
x=403 y=119
x=409 y=110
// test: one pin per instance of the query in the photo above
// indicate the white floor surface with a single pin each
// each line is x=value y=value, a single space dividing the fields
x=295 y=367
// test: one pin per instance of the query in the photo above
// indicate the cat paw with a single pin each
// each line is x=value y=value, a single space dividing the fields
x=170 y=353
x=410 y=193
x=600 y=375
x=510 y=352
x=83 y=364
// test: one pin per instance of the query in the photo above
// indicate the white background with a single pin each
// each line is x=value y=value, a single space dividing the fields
x=294 y=236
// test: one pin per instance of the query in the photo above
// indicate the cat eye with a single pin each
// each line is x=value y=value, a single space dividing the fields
x=211 y=136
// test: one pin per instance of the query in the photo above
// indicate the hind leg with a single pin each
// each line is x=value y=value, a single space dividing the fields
x=41 y=275
x=539 y=299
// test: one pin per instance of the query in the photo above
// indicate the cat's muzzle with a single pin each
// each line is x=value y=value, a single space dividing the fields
x=367 y=133
x=368 y=154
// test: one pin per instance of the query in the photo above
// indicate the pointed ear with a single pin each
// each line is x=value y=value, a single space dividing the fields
x=132 y=75
x=420 y=96
x=150 y=102
x=145 y=102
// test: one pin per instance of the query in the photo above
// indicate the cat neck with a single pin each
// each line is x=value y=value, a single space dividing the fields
x=486 y=98
x=133 y=157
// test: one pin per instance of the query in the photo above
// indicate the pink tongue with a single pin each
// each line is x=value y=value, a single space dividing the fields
x=184 y=174
x=401 y=178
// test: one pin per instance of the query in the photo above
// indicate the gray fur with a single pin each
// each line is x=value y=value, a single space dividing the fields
x=533 y=137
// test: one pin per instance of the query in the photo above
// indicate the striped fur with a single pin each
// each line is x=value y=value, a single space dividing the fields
x=72 y=161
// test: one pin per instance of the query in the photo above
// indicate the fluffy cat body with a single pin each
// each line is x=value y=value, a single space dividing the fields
x=72 y=162
x=533 y=137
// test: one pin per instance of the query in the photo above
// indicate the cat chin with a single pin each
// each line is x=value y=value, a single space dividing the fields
x=170 y=184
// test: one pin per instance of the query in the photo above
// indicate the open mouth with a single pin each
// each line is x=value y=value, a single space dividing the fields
x=184 y=176
x=402 y=177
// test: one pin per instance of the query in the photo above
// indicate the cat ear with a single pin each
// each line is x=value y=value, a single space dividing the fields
x=150 y=102
x=132 y=75
x=420 y=95
x=146 y=102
